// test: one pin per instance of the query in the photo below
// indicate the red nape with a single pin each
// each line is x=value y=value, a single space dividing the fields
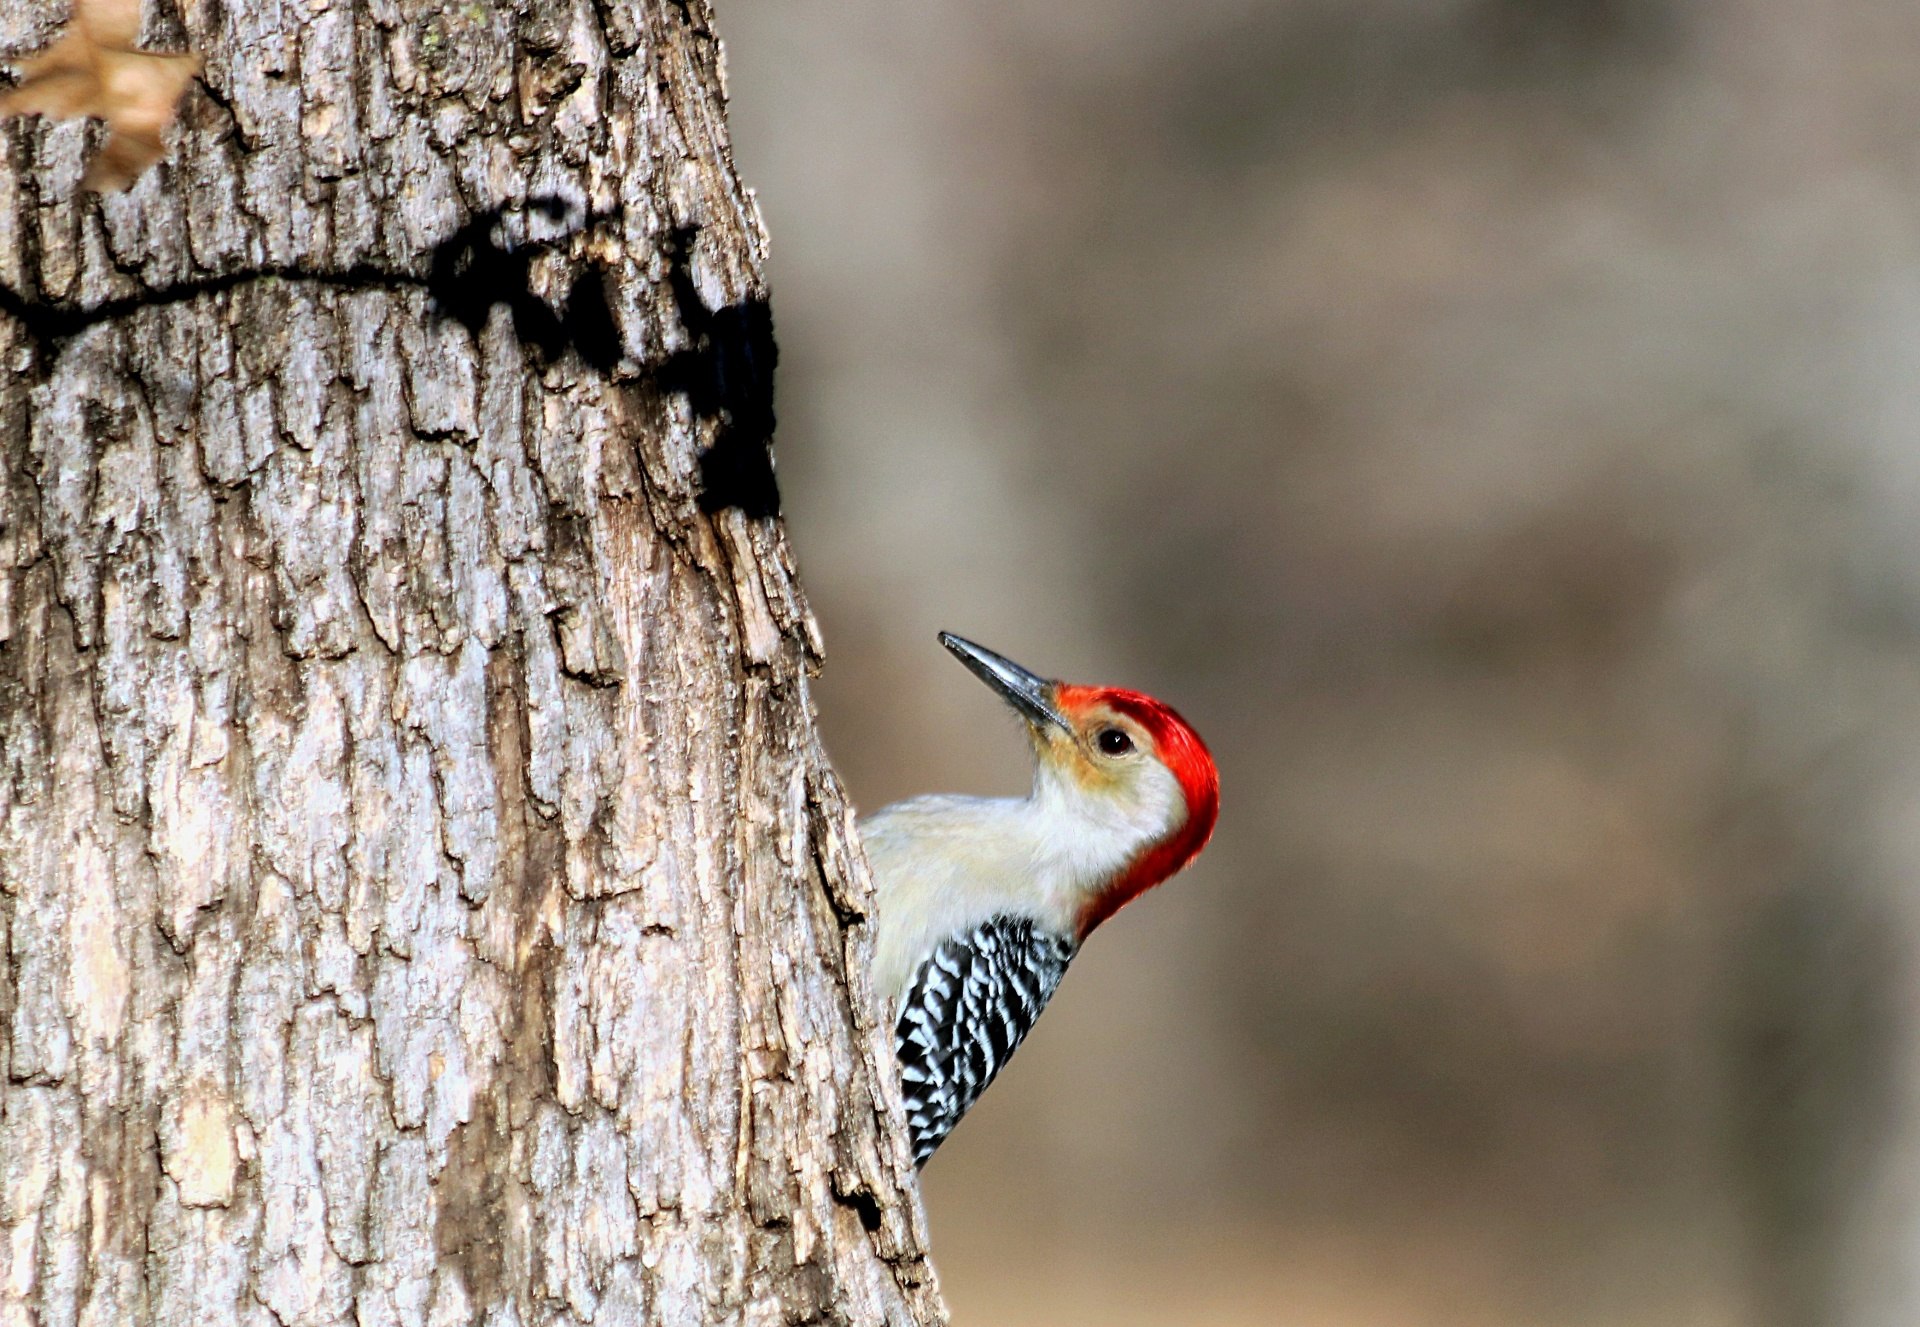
x=1180 y=750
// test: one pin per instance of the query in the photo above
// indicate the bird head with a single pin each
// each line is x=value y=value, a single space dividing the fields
x=1128 y=784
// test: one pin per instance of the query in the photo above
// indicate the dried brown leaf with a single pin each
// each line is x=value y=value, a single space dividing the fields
x=93 y=69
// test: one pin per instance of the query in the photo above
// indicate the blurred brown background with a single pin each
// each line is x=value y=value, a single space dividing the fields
x=1493 y=423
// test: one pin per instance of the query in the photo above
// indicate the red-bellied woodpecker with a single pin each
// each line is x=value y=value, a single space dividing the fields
x=984 y=901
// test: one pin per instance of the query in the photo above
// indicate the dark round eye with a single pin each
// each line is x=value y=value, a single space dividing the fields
x=1114 y=742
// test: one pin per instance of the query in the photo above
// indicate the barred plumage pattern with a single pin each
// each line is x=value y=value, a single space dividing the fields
x=966 y=1010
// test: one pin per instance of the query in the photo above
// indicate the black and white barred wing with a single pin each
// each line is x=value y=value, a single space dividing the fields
x=967 y=1009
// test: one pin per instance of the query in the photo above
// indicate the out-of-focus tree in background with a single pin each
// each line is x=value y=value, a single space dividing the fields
x=1496 y=424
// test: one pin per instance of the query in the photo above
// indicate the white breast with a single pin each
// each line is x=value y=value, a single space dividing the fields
x=943 y=865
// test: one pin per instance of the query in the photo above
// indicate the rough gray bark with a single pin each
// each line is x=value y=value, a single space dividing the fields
x=423 y=898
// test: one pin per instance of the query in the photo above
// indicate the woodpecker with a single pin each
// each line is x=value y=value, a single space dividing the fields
x=984 y=901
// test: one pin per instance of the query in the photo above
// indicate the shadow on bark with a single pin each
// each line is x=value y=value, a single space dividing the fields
x=726 y=373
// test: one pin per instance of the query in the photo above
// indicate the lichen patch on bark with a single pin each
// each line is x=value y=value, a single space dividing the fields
x=202 y=1157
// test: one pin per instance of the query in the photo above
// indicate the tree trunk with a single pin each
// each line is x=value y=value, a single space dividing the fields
x=423 y=897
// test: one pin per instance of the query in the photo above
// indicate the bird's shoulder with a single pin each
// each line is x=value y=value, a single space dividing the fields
x=951 y=813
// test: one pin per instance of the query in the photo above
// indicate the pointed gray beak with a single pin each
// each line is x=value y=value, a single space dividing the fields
x=1031 y=695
